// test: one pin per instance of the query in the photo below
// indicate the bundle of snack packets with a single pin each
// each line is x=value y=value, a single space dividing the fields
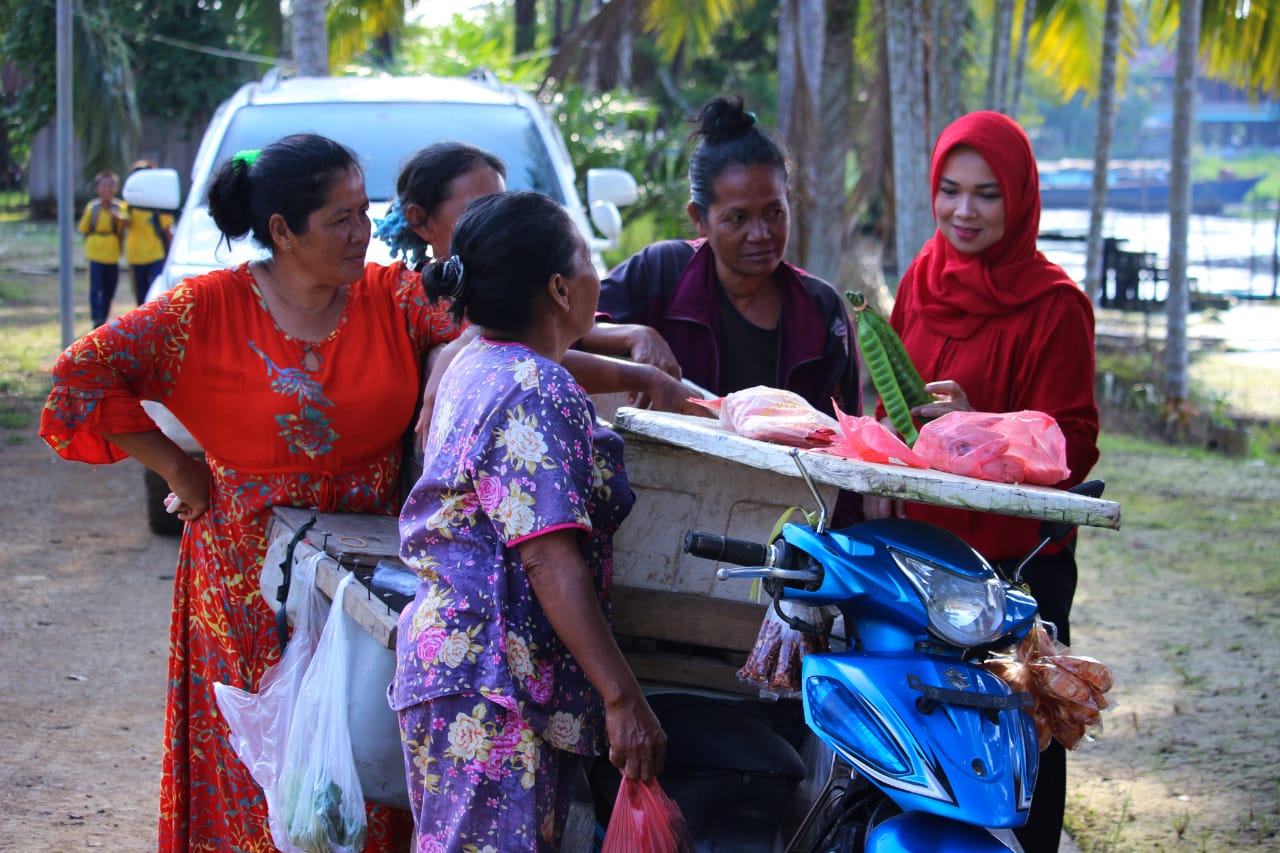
x=1070 y=691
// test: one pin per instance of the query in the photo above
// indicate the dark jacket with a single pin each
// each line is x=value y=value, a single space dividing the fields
x=815 y=358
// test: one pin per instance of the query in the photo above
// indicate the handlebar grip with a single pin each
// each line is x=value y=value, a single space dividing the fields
x=740 y=552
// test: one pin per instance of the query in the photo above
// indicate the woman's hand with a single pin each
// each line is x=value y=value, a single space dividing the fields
x=647 y=346
x=948 y=397
x=188 y=477
x=190 y=488
x=637 y=743
x=667 y=394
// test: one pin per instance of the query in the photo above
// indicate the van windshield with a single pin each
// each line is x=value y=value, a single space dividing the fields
x=384 y=135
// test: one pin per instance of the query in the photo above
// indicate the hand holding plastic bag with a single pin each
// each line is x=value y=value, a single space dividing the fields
x=645 y=819
x=323 y=801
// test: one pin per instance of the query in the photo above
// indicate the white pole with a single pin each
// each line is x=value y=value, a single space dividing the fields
x=66 y=198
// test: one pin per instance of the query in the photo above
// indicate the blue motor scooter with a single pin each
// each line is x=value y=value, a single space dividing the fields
x=927 y=750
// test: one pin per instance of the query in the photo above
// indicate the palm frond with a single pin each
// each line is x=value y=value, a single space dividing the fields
x=355 y=28
x=1065 y=43
x=678 y=22
x=1241 y=41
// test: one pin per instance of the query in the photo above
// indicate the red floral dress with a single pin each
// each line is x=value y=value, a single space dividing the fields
x=283 y=422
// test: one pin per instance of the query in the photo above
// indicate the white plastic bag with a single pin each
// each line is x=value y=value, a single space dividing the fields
x=321 y=795
x=259 y=722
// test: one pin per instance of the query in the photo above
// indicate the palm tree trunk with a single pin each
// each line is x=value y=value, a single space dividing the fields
x=1177 y=386
x=1019 y=64
x=526 y=26
x=801 y=24
x=998 y=67
x=310 y=39
x=948 y=24
x=835 y=137
x=1093 y=271
x=914 y=217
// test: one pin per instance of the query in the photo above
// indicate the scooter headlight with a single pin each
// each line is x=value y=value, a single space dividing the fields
x=964 y=611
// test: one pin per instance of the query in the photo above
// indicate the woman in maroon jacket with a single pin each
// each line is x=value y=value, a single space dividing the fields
x=993 y=326
x=726 y=311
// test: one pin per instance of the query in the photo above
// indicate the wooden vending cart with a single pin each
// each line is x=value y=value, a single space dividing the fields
x=677 y=625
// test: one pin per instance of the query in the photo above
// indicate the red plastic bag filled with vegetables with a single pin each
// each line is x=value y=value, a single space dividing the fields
x=645 y=819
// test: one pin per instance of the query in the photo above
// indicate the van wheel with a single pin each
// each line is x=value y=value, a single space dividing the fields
x=160 y=522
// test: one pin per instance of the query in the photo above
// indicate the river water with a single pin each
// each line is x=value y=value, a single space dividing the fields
x=1227 y=255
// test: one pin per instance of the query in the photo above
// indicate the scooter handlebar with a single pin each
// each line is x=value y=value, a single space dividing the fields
x=740 y=552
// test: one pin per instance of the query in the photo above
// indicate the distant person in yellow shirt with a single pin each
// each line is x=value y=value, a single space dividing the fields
x=146 y=240
x=103 y=224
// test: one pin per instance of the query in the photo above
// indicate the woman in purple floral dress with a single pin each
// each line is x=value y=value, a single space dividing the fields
x=506 y=669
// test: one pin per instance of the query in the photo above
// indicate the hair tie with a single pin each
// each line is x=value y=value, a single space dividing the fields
x=394 y=230
x=247 y=157
x=454 y=269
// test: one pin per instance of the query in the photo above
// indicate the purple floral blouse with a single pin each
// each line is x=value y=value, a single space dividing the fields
x=514 y=452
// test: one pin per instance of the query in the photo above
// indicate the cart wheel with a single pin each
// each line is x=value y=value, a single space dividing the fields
x=160 y=521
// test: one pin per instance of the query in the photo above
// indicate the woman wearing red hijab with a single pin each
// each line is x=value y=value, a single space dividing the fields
x=993 y=326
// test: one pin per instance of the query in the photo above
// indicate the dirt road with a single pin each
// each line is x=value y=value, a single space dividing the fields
x=85 y=591
x=1185 y=762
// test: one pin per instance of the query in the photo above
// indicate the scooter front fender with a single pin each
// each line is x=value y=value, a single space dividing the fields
x=949 y=758
x=916 y=832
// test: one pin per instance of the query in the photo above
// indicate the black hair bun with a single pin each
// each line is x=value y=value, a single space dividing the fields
x=724 y=118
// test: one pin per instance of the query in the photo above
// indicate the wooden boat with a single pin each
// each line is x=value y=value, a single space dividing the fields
x=1136 y=188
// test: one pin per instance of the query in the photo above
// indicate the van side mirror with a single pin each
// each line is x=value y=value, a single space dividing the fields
x=607 y=190
x=153 y=189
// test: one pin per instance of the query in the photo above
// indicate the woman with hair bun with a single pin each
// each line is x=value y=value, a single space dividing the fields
x=726 y=308
x=507 y=674
x=297 y=374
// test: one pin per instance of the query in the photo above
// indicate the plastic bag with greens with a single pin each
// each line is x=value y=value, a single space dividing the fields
x=323 y=802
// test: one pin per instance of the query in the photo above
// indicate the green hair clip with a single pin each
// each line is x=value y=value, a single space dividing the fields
x=246 y=158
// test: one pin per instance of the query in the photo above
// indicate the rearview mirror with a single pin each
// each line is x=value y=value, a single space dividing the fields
x=153 y=189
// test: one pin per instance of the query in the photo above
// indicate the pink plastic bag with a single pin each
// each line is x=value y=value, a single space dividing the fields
x=774 y=414
x=1009 y=447
x=867 y=439
x=645 y=819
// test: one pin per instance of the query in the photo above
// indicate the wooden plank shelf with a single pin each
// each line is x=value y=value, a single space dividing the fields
x=705 y=435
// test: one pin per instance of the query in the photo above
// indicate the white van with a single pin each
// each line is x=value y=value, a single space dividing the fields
x=384 y=120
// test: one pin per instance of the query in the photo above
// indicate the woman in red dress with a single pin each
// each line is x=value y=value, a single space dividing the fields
x=298 y=375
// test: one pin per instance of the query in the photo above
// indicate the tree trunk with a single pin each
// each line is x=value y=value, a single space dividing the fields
x=835 y=133
x=1177 y=386
x=526 y=26
x=914 y=215
x=948 y=24
x=800 y=44
x=1019 y=64
x=310 y=39
x=998 y=67
x=1093 y=265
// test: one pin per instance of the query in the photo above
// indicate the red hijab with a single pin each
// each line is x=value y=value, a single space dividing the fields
x=957 y=292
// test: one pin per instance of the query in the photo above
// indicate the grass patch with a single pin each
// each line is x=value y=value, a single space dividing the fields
x=30 y=326
x=1210 y=520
